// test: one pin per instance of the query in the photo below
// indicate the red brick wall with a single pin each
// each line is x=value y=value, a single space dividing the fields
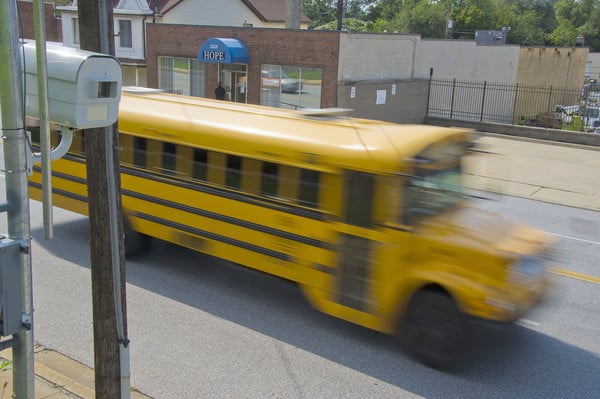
x=304 y=48
x=27 y=27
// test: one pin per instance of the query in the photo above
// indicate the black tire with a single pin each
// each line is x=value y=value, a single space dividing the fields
x=135 y=243
x=433 y=330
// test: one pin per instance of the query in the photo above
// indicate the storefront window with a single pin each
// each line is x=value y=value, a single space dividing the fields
x=290 y=87
x=181 y=76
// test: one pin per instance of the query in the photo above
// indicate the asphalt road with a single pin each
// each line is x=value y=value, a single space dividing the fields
x=201 y=327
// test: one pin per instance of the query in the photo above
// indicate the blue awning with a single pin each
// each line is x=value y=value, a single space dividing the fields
x=223 y=51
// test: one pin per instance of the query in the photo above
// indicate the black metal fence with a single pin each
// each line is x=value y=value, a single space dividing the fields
x=491 y=102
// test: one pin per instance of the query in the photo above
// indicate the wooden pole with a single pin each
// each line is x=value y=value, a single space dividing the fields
x=340 y=14
x=109 y=312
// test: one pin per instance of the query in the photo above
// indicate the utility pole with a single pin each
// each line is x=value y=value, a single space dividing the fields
x=340 y=14
x=292 y=14
x=111 y=345
x=17 y=206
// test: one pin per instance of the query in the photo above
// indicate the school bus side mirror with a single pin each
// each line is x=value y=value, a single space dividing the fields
x=84 y=88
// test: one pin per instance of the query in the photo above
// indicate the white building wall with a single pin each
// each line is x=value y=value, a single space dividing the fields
x=67 y=27
x=464 y=60
x=136 y=52
x=137 y=31
x=594 y=66
x=376 y=57
x=214 y=12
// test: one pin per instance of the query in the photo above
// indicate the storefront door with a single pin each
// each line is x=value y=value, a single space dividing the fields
x=233 y=78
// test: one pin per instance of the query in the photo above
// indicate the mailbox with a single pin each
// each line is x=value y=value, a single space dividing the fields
x=84 y=88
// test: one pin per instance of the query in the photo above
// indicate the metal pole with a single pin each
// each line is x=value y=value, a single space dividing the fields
x=452 y=99
x=13 y=136
x=429 y=91
x=482 y=102
x=550 y=99
x=42 y=73
x=515 y=103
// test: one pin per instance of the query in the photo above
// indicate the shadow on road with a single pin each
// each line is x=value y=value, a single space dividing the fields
x=511 y=362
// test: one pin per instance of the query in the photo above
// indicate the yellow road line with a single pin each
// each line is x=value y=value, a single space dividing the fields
x=575 y=275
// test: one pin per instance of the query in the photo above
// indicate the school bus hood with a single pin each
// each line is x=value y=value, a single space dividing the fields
x=470 y=226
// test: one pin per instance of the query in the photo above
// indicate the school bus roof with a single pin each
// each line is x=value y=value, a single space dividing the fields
x=276 y=134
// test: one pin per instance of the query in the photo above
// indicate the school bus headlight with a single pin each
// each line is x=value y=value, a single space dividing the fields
x=527 y=269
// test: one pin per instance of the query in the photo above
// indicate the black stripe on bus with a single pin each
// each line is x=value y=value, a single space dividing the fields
x=228 y=219
x=265 y=203
x=58 y=191
x=217 y=237
x=187 y=229
x=64 y=176
x=189 y=209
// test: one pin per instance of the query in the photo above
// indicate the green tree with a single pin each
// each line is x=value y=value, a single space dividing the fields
x=591 y=30
x=522 y=22
x=531 y=22
x=423 y=17
x=574 y=17
x=564 y=34
x=545 y=11
x=352 y=24
x=472 y=15
x=321 y=12
x=385 y=10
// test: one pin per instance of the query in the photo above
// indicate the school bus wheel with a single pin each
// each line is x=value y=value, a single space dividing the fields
x=135 y=242
x=433 y=329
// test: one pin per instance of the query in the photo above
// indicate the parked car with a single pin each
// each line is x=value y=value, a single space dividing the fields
x=272 y=78
x=588 y=115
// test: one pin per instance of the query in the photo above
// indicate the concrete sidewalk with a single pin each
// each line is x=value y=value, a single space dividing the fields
x=566 y=174
x=56 y=376
x=546 y=171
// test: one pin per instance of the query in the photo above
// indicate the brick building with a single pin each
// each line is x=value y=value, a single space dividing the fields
x=241 y=44
x=288 y=68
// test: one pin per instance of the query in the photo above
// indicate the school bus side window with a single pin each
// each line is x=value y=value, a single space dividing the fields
x=268 y=181
x=139 y=152
x=200 y=168
x=309 y=188
x=169 y=158
x=234 y=171
x=359 y=198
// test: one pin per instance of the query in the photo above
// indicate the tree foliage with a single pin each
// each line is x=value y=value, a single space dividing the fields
x=528 y=22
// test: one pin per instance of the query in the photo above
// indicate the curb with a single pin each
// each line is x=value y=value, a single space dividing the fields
x=63 y=375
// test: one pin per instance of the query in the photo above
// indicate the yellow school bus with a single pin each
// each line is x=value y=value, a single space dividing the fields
x=369 y=218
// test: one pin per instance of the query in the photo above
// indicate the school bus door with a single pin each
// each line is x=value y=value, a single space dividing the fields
x=357 y=242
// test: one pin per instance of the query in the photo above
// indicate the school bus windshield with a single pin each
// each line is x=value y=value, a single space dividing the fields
x=433 y=193
x=435 y=185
